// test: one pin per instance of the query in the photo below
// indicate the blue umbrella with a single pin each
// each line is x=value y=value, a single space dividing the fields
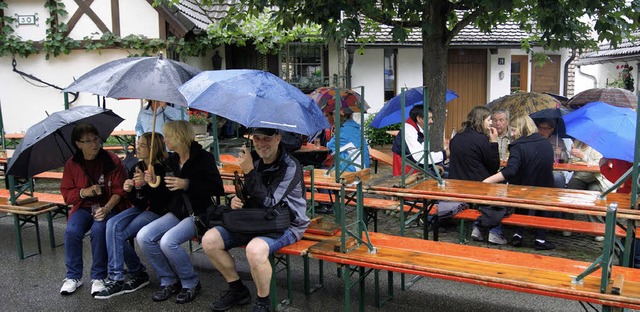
x=609 y=129
x=391 y=113
x=254 y=98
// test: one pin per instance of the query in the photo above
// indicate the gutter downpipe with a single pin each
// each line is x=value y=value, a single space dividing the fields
x=592 y=77
x=566 y=72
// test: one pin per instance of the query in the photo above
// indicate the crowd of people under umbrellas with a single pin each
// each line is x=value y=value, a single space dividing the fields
x=147 y=203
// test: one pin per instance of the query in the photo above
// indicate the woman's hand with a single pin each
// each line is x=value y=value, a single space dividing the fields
x=128 y=185
x=175 y=183
x=149 y=177
x=236 y=203
x=493 y=134
x=578 y=153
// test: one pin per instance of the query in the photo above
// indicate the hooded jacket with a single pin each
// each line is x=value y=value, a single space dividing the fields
x=530 y=161
x=473 y=156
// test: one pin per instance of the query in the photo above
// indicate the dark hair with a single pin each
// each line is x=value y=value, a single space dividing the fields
x=80 y=130
x=417 y=111
x=159 y=148
x=475 y=119
x=549 y=121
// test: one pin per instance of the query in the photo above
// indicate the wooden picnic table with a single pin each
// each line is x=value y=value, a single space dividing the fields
x=583 y=167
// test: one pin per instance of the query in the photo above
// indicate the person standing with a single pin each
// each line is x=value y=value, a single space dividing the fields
x=92 y=183
x=500 y=119
x=164 y=113
x=191 y=175
x=272 y=177
x=530 y=163
x=474 y=157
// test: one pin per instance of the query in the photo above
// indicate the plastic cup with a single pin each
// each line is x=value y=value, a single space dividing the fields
x=94 y=210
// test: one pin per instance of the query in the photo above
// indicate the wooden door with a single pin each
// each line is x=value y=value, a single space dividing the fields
x=547 y=77
x=519 y=73
x=467 y=76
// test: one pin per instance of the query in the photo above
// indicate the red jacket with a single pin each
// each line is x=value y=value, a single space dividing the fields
x=613 y=169
x=74 y=178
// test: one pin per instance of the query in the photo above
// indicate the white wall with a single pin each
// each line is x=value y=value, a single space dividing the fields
x=29 y=7
x=602 y=73
x=497 y=87
x=368 y=71
x=409 y=71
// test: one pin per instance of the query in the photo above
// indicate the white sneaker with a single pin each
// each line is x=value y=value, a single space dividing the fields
x=497 y=239
x=97 y=285
x=566 y=233
x=69 y=286
x=598 y=238
x=476 y=234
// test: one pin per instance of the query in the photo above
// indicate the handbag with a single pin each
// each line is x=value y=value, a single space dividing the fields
x=257 y=220
x=211 y=217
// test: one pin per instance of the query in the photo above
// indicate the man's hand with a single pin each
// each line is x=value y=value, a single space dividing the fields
x=94 y=190
x=236 y=203
x=245 y=160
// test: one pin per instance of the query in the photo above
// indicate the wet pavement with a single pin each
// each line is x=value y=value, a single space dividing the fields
x=34 y=283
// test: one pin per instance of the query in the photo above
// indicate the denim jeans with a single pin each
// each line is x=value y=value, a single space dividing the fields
x=120 y=229
x=161 y=241
x=78 y=224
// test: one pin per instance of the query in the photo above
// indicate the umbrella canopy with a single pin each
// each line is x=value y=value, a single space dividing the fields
x=610 y=130
x=555 y=114
x=351 y=101
x=47 y=144
x=614 y=96
x=524 y=103
x=153 y=78
x=254 y=98
x=391 y=112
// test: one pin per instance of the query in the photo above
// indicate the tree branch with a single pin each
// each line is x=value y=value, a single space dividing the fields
x=462 y=24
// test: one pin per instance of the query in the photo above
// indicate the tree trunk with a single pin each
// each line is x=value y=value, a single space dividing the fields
x=434 y=67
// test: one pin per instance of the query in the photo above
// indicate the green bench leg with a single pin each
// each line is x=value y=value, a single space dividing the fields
x=381 y=301
x=19 y=223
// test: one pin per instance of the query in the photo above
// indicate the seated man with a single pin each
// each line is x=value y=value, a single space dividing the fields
x=414 y=140
x=271 y=176
x=499 y=120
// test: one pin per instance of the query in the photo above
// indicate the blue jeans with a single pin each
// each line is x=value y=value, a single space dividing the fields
x=161 y=241
x=233 y=239
x=78 y=224
x=497 y=230
x=121 y=228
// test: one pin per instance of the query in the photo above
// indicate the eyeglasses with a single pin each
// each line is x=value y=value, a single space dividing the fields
x=545 y=128
x=95 y=140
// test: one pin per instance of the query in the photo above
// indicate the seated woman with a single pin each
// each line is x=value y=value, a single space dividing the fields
x=92 y=178
x=530 y=163
x=547 y=128
x=148 y=205
x=350 y=137
x=191 y=175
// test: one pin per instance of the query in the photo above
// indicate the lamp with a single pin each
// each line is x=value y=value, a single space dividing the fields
x=501 y=74
x=216 y=61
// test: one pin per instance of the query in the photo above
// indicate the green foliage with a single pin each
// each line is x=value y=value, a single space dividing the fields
x=378 y=137
x=56 y=42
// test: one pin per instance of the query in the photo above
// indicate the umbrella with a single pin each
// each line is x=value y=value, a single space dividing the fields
x=614 y=96
x=47 y=144
x=524 y=103
x=610 y=130
x=391 y=113
x=351 y=101
x=552 y=113
x=154 y=78
x=254 y=98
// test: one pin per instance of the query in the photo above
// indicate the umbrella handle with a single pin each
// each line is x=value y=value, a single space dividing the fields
x=156 y=183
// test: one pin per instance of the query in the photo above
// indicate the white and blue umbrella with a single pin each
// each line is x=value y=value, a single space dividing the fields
x=255 y=99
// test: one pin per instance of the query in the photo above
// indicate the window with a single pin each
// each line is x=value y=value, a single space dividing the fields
x=519 y=73
x=301 y=64
x=389 y=73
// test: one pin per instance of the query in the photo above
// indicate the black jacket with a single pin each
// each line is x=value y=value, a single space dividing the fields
x=530 y=162
x=153 y=199
x=473 y=157
x=204 y=181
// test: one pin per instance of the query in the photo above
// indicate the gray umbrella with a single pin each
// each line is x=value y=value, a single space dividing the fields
x=47 y=144
x=153 y=78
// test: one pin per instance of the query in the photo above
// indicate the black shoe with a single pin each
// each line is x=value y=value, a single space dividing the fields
x=546 y=245
x=166 y=292
x=232 y=298
x=324 y=209
x=187 y=295
x=516 y=240
x=261 y=307
x=138 y=281
x=112 y=289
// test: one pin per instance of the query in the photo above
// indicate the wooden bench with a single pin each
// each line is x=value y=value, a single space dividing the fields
x=56 y=175
x=529 y=273
x=378 y=155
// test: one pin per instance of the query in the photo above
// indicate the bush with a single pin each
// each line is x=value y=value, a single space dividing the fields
x=378 y=136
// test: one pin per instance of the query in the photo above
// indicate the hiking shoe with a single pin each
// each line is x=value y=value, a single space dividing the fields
x=138 y=281
x=566 y=233
x=70 y=285
x=598 y=238
x=516 y=240
x=544 y=245
x=113 y=288
x=187 y=295
x=232 y=298
x=497 y=239
x=166 y=292
x=476 y=234
x=261 y=307
x=97 y=285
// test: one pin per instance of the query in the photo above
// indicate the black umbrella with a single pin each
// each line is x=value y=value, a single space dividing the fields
x=556 y=115
x=47 y=144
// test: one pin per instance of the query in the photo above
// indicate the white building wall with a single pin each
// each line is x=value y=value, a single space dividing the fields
x=497 y=87
x=368 y=71
x=598 y=75
x=29 y=7
x=409 y=71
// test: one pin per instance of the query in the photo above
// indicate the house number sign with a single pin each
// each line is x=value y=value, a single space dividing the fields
x=27 y=19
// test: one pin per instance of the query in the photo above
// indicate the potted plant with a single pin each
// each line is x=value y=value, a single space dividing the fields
x=199 y=120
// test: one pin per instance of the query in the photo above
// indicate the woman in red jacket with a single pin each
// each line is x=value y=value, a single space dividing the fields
x=92 y=183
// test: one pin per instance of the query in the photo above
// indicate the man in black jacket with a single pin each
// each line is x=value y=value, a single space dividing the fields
x=271 y=177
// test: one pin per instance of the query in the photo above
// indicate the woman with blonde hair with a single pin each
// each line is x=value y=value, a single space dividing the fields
x=530 y=163
x=148 y=205
x=192 y=178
